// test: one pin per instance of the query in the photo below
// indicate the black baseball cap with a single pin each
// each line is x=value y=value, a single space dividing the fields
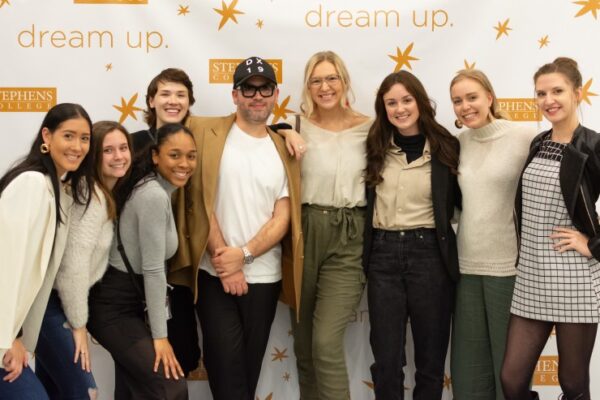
x=253 y=66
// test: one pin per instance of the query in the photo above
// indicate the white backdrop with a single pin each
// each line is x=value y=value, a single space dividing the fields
x=103 y=53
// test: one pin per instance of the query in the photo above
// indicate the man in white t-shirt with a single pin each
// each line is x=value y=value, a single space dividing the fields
x=239 y=229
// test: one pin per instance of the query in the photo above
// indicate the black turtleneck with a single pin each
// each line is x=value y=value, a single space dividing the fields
x=411 y=145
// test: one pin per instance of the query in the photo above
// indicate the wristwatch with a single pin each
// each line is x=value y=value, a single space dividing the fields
x=248 y=257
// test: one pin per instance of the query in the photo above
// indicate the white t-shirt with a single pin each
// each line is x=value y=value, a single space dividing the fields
x=251 y=179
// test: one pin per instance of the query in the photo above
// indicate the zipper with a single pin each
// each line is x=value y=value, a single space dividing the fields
x=587 y=210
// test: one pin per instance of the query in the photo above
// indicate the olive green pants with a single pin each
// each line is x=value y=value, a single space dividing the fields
x=479 y=333
x=332 y=285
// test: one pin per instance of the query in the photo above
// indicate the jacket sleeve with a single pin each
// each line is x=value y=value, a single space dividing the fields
x=594 y=159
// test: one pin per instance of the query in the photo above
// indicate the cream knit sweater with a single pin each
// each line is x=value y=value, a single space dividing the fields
x=85 y=259
x=491 y=161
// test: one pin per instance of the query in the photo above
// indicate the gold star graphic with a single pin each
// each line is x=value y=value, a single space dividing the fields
x=588 y=6
x=3 y=2
x=370 y=385
x=279 y=355
x=403 y=57
x=502 y=28
x=108 y=67
x=469 y=66
x=227 y=12
x=183 y=10
x=286 y=376
x=280 y=111
x=127 y=108
x=586 y=93
x=543 y=41
x=269 y=397
x=447 y=381
x=259 y=23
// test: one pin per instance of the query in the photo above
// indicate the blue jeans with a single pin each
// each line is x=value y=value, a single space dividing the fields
x=54 y=366
x=26 y=387
x=407 y=279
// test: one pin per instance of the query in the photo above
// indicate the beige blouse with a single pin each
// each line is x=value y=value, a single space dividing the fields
x=333 y=165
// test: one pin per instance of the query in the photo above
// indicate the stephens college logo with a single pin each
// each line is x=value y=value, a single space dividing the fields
x=220 y=70
x=24 y=99
x=520 y=109
x=546 y=371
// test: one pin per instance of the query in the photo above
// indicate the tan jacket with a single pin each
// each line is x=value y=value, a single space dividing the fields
x=194 y=204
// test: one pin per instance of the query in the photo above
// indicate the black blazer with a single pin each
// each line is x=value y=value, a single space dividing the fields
x=579 y=178
x=445 y=196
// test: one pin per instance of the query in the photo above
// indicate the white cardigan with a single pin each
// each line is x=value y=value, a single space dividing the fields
x=31 y=247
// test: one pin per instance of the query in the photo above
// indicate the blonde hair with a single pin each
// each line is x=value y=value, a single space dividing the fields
x=308 y=106
x=481 y=78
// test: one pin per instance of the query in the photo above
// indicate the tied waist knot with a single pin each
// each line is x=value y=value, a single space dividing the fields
x=346 y=218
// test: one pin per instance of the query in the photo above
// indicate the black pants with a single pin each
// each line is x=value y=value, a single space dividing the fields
x=182 y=328
x=407 y=279
x=116 y=321
x=235 y=332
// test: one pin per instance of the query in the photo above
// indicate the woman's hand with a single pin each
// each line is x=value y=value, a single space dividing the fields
x=14 y=360
x=296 y=146
x=164 y=353
x=571 y=239
x=80 y=337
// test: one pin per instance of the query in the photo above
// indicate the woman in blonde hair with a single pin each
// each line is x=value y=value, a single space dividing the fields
x=493 y=152
x=333 y=198
x=558 y=273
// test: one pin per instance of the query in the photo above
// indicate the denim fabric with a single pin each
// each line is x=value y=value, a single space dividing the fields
x=54 y=366
x=408 y=280
x=26 y=387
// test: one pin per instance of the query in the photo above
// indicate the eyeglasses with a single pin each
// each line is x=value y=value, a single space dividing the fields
x=249 y=91
x=330 y=79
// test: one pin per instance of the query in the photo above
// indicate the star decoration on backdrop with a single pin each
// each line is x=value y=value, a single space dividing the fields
x=403 y=58
x=586 y=93
x=447 y=382
x=588 y=6
x=228 y=12
x=259 y=23
x=279 y=355
x=502 y=28
x=127 y=108
x=108 y=67
x=183 y=10
x=3 y=2
x=280 y=111
x=469 y=66
x=269 y=397
x=543 y=41
x=286 y=376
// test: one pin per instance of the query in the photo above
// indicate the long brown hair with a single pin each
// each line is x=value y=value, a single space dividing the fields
x=443 y=145
x=99 y=130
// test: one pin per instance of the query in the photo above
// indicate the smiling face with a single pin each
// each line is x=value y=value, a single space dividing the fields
x=171 y=103
x=68 y=144
x=325 y=91
x=175 y=158
x=116 y=157
x=255 y=110
x=402 y=110
x=556 y=98
x=471 y=103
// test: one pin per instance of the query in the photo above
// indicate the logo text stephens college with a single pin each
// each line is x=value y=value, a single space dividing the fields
x=25 y=99
x=220 y=70
x=520 y=109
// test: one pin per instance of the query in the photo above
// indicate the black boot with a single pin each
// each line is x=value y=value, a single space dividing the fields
x=534 y=395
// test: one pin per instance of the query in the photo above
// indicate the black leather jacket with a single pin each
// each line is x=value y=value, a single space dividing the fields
x=579 y=182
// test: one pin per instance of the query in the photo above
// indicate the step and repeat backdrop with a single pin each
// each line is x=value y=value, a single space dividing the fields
x=103 y=53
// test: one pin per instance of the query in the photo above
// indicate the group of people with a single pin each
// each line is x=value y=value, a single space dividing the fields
x=133 y=237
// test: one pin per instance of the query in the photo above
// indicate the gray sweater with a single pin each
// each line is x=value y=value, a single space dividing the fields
x=149 y=238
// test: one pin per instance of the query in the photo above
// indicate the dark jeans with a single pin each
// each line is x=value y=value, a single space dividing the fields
x=54 y=366
x=235 y=332
x=408 y=280
x=116 y=321
x=26 y=387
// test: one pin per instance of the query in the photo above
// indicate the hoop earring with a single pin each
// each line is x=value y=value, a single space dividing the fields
x=44 y=148
x=458 y=124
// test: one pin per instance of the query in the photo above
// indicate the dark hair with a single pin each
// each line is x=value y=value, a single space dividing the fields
x=142 y=165
x=99 y=131
x=167 y=75
x=563 y=65
x=81 y=180
x=442 y=143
